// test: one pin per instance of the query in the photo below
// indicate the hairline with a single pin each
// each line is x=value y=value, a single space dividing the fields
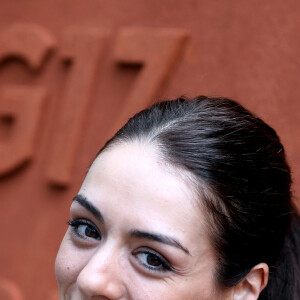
x=202 y=192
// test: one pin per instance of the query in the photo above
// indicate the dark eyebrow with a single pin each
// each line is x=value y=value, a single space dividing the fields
x=83 y=201
x=158 y=238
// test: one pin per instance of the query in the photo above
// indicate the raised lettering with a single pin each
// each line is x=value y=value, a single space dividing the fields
x=82 y=48
x=9 y=290
x=157 y=50
x=22 y=104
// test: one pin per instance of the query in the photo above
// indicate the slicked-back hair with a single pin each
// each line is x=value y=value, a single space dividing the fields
x=240 y=162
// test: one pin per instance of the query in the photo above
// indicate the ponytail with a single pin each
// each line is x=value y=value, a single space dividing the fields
x=284 y=279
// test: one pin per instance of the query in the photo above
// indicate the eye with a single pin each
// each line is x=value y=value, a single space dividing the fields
x=84 y=229
x=153 y=261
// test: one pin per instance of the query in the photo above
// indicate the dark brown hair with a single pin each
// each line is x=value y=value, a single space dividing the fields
x=240 y=159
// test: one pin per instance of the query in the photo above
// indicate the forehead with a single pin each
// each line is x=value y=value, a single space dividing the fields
x=140 y=168
x=146 y=191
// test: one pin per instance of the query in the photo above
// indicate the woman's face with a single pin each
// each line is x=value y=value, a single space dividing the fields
x=136 y=232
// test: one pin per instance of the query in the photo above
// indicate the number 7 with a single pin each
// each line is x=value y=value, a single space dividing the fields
x=157 y=50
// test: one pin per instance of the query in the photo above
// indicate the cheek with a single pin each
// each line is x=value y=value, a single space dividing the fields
x=68 y=263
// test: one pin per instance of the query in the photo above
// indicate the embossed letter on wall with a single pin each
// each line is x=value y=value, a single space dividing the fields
x=22 y=104
x=155 y=49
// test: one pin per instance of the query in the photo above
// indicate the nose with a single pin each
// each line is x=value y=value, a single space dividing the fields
x=101 y=277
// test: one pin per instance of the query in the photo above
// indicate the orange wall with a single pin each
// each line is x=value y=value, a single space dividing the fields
x=73 y=71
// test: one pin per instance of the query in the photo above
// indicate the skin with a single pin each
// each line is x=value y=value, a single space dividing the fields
x=150 y=241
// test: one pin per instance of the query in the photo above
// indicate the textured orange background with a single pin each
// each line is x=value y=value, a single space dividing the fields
x=246 y=50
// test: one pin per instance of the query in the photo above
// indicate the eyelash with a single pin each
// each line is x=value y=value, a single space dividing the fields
x=75 y=224
x=163 y=264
